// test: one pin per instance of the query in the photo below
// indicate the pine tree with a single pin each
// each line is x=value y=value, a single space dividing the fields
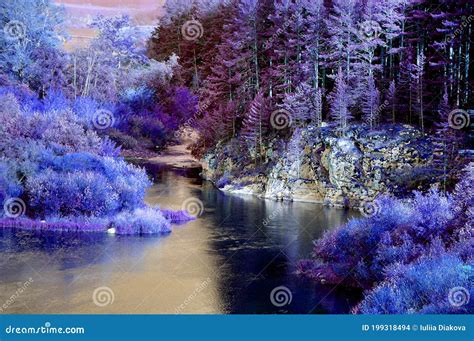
x=340 y=102
x=418 y=76
x=305 y=105
x=317 y=117
x=255 y=125
x=391 y=99
x=447 y=142
x=391 y=18
x=314 y=40
x=371 y=103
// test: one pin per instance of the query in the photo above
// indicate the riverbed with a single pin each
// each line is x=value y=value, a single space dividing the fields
x=238 y=256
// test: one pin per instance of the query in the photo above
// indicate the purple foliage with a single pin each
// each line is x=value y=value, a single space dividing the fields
x=409 y=254
x=177 y=217
x=223 y=181
x=85 y=184
x=340 y=100
x=427 y=286
x=56 y=224
x=358 y=252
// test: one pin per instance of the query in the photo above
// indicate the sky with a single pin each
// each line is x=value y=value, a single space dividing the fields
x=143 y=12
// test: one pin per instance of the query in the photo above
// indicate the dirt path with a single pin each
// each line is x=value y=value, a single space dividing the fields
x=179 y=156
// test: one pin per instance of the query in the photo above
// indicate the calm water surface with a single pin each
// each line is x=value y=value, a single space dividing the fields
x=227 y=261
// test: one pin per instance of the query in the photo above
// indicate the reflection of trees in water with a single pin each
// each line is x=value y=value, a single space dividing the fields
x=259 y=243
x=256 y=244
x=42 y=250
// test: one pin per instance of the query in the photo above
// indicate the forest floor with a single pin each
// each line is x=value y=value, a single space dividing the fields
x=179 y=156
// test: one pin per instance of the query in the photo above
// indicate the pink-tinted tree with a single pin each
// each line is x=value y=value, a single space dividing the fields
x=255 y=126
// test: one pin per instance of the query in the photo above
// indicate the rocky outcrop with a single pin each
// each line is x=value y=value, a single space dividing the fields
x=316 y=165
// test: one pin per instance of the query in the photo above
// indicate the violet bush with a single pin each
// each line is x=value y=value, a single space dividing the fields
x=406 y=256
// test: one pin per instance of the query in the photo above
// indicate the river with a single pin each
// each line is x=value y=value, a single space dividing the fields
x=229 y=260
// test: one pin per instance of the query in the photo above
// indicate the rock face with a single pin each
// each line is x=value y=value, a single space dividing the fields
x=316 y=165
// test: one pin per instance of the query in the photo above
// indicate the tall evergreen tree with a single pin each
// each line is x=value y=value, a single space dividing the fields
x=340 y=102
x=447 y=142
x=371 y=103
x=255 y=126
x=391 y=99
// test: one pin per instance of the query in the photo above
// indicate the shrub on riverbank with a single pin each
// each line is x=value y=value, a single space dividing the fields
x=86 y=184
x=438 y=283
x=391 y=252
x=61 y=175
x=141 y=221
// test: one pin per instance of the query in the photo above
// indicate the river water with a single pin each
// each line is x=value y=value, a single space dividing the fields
x=229 y=260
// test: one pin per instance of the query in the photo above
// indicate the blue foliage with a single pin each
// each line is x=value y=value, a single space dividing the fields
x=408 y=255
x=86 y=184
x=435 y=284
x=177 y=217
x=138 y=99
x=10 y=186
x=68 y=175
x=223 y=181
x=141 y=221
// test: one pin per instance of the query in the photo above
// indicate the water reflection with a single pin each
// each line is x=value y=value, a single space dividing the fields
x=227 y=261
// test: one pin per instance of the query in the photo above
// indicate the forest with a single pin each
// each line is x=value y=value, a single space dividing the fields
x=277 y=77
x=363 y=105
